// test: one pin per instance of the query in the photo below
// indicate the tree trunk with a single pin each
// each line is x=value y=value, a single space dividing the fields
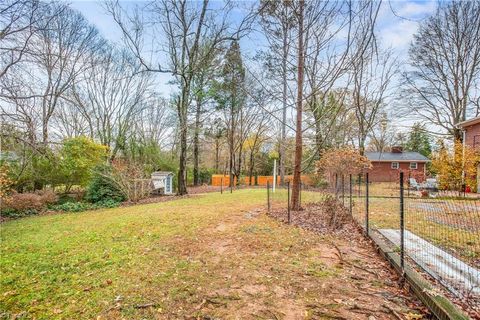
x=196 y=153
x=239 y=168
x=298 y=135
x=250 y=174
x=217 y=149
x=231 y=139
x=284 y=107
x=232 y=154
x=182 y=112
x=457 y=135
x=237 y=172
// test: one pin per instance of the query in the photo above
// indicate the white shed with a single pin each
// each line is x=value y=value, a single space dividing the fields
x=162 y=182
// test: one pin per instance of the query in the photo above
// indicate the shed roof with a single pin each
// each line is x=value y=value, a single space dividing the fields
x=408 y=156
x=162 y=173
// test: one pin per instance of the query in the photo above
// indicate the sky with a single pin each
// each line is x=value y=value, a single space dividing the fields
x=397 y=23
x=398 y=20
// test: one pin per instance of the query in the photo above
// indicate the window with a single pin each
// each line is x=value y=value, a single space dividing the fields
x=395 y=165
x=413 y=165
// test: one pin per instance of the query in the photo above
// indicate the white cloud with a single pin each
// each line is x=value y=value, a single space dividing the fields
x=413 y=9
x=399 y=20
x=398 y=35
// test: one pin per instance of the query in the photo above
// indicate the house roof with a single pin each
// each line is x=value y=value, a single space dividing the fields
x=407 y=156
x=469 y=122
x=161 y=174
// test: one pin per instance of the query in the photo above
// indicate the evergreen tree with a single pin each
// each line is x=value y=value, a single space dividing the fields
x=230 y=98
x=419 y=140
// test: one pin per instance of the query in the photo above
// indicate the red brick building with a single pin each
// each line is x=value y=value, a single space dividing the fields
x=386 y=166
x=471 y=138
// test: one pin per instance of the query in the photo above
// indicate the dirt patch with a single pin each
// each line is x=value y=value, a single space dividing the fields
x=252 y=267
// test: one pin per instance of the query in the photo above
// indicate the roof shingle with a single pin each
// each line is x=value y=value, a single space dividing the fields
x=392 y=156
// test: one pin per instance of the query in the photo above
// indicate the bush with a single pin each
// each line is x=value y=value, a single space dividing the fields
x=84 y=206
x=20 y=204
x=102 y=188
x=72 y=206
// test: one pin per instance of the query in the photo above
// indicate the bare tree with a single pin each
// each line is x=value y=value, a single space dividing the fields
x=187 y=26
x=383 y=135
x=110 y=95
x=20 y=20
x=372 y=76
x=278 y=20
x=332 y=119
x=445 y=57
x=61 y=53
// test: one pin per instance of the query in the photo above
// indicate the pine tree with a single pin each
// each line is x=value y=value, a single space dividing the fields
x=230 y=97
x=419 y=140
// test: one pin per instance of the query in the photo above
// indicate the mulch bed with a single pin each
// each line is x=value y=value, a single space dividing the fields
x=330 y=217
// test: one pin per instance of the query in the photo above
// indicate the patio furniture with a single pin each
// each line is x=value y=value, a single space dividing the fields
x=414 y=184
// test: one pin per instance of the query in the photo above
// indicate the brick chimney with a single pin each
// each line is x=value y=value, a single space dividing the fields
x=397 y=149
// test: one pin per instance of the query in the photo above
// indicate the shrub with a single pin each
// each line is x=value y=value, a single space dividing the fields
x=72 y=206
x=130 y=179
x=83 y=206
x=5 y=182
x=103 y=188
x=79 y=156
x=28 y=203
x=336 y=213
x=342 y=161
x=451 y=164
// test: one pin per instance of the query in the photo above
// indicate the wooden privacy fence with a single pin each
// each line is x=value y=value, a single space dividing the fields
x=261 y=180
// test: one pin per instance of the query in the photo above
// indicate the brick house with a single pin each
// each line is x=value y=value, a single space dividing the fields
x=386 y=166
x=471 y=137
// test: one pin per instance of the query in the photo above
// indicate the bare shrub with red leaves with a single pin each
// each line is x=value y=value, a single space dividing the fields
x=30 y=202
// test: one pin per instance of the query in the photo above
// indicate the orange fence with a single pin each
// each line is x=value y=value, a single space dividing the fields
x=261 y=180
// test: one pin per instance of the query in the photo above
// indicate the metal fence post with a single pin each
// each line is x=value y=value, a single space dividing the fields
x=359 y=185
x=402 y=225
x=366 y=203
x=351 y=203
x=408 y=184
x=288 y=203
x=268 y=195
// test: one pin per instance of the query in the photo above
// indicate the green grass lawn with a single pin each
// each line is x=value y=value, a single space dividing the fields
x=200 y=256
x=81 y=259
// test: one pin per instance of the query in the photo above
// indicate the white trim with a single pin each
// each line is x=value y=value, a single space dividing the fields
x=397 y=166
x=468 y=123
x=416 y=165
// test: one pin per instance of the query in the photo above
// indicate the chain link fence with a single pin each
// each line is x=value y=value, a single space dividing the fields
x=435 y=231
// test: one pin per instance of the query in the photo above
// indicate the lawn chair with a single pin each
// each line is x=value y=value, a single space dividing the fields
x=431 y=184
x=414 y=184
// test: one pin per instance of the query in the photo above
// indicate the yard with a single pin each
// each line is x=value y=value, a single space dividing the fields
x=206 y=256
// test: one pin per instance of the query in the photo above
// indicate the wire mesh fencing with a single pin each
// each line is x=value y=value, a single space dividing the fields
x=436 y=231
